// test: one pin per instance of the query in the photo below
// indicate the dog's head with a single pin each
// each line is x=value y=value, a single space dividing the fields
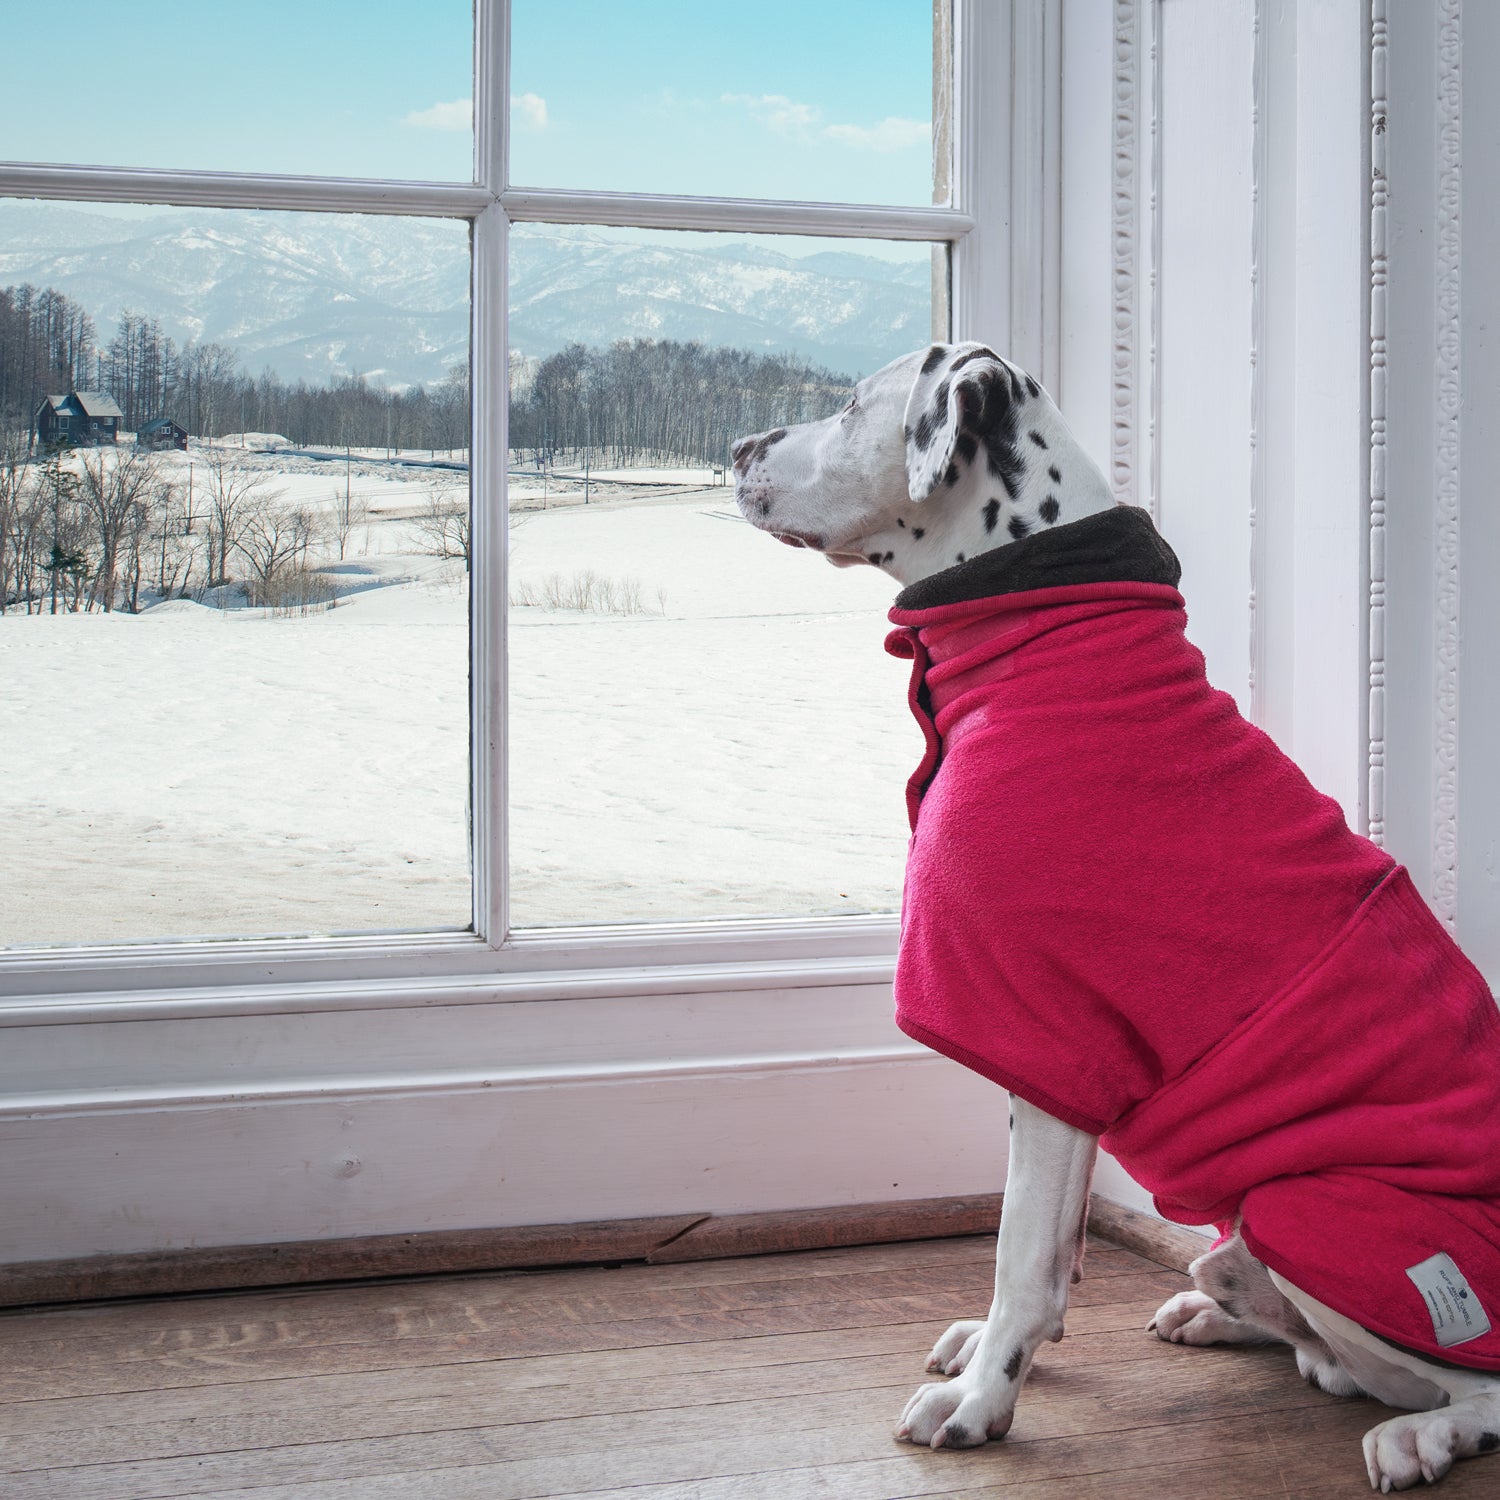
x=940 y=455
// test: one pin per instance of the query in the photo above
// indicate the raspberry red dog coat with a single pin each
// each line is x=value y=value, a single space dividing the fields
x=1126 y=905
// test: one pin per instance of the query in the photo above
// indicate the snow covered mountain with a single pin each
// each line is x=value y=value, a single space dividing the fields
x=314 y=295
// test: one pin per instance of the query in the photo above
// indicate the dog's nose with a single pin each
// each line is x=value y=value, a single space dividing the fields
x=741 y=453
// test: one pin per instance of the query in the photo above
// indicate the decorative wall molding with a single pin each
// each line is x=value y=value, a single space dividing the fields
x=1153 y=280
x=1379 y=286
x=21 y=1109
x=1444 y=892
x=1125 y=369
x=1260 y=87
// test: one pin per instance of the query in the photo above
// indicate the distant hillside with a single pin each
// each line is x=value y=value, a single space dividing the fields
x=318 y=296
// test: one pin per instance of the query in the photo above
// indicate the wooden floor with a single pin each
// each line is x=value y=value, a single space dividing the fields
x=774 y=1376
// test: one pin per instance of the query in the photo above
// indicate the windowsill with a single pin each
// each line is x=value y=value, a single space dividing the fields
x=377 y=971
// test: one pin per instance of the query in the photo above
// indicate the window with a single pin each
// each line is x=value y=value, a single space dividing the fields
x=304 y=700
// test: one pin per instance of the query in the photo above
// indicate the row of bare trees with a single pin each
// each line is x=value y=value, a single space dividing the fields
x=47 y=343
x=649 y=398
x=94 y=529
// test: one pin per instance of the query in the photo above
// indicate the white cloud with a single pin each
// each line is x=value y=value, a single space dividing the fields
x=531 y=109
x=805 y=121
x=458 y=114
x=783 y=115
x=891 y=134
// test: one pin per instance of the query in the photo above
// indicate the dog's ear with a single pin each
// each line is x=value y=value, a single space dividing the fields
x=965 y=399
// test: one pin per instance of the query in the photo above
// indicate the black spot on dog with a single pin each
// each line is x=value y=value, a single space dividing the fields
x=1032 y=388
x=1231 y=1306
x=1013 y=1364
x=966 y=446
x=766 y=443
x=1054 y=474
x=1012 y=1119
x=1038 y=439
x=991 y=514
x=901 y=523
x=1049 y=509
x=959 y=558
x=875 y=559
x=1488 y=1442
x=889 y=556
x=1017 y=528
x=934 y=359
x=927 y=425
x=972 y=355
x=951 y=477
x=918 y=532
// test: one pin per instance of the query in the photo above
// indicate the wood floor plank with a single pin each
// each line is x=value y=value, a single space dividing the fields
x=505 y=1288
x=597 y=1415
x=261 y=1351
x=827 y=1461
x=462 y=1314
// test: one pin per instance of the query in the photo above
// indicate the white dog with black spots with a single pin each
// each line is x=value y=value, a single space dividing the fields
x=938 y=457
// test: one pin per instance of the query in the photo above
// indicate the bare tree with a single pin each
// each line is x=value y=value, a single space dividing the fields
x=174 y=548
x=273 y=539
x=443 y=524
x=350 y=511
x=14 y=481
x=231 y=494
x=116 y=488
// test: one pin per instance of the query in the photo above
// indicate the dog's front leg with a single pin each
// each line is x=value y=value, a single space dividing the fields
x=1046 y=1204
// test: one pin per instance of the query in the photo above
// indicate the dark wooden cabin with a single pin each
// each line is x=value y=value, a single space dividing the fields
x=160 y=433
x=86 y=419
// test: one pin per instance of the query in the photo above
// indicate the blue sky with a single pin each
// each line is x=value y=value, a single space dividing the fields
x=829 y=99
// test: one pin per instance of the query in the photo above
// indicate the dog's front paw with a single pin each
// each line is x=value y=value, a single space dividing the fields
x=952 y=1353
x=1413 y=1449
x=955 y=1415
x=1192 y=1318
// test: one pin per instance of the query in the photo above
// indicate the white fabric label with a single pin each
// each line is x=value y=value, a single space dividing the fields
x=1457 y=1315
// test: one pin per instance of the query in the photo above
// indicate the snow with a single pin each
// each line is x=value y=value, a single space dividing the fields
x=739 y=750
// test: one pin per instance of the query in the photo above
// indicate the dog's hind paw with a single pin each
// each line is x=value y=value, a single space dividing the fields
x=1413 y=1449
x=1195 y=1318
x=952 y=1353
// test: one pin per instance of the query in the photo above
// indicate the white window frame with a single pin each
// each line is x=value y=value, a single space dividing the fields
x=1002 y=226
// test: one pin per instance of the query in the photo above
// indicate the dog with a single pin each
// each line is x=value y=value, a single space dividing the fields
x=939 y=463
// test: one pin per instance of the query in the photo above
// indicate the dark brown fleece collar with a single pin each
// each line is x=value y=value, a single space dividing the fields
x=1111 y=546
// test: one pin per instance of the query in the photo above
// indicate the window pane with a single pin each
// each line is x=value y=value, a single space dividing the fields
x=704 y=724
x=233 y=596
x=341 y=87
x=830 y=102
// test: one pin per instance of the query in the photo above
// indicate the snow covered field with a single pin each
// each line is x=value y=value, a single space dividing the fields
x=739 y=750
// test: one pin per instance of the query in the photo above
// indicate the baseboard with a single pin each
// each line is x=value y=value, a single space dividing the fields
x=1167 y=1244
x=657 y=1241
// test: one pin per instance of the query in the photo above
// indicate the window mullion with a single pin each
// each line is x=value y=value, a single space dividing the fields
x=769 y=216
x=242 y=190
x=489 y=455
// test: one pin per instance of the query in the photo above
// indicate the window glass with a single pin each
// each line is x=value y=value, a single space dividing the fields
x=352 y=88
x=703 y=723
x=830 y=102
x=233 y=589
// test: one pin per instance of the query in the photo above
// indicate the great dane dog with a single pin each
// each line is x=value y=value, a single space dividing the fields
x=940 y=457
